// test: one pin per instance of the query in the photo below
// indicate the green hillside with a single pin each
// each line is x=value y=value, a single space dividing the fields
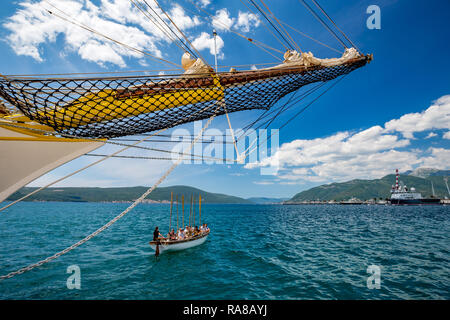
x=122 y=194
x=369 y=189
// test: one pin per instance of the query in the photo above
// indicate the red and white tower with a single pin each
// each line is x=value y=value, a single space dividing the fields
x=396 y=179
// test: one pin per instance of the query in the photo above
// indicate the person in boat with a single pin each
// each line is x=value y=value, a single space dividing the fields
x=206 y=228
x=181 y=234
x=157 y=235
x=189 y=231
x=196 y=231
x=172 y=235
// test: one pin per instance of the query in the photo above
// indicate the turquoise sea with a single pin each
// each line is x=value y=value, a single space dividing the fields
x=253 y=252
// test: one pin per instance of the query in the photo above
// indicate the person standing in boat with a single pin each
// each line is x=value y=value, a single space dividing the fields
x=157 y=234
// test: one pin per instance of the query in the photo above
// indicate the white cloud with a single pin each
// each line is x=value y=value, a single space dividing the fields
x=436 y=116
x=446 y=135
x=204 y=3
x=100 y=53
x=32 y=26
x=206 y=41
x=222 y=20
x=366 y=154
x=182 y=20
x=263 y=183
x=247 y=20
x=439 y=158
x=431 y=135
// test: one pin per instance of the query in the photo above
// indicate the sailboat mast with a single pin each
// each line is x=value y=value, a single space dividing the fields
x=190 y=212
x=446 y=184
x=432 y=189
x=182 y=210
x=177 y=214
x=171 y=202
x=199 y=209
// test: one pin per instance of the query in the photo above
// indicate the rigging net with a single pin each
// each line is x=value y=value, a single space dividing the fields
x=121 y=106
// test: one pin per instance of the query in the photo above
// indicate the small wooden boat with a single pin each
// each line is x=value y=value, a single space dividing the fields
x=165 y=244
x=176 y=245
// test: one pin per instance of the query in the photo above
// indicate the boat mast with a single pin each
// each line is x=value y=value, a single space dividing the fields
x=446 y=183
x=190 y=212
x=199 y=209
x=177 y=214
x=171 y=202
x=182 y=210
x=432 y=189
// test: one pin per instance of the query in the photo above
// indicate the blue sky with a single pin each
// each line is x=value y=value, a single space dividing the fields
x=392 y=113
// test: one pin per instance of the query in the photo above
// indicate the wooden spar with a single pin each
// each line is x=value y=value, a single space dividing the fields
x=193 y=212
x=182 y=210
x=225 y=79
x=177 y=214
x=199 y=209
x=171 y=201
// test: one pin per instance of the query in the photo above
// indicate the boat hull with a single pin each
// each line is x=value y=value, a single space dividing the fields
x=25 y=156
x=415 y=201
x=179 y=245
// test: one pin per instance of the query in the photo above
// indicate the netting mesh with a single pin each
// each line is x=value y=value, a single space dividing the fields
x=121 y=106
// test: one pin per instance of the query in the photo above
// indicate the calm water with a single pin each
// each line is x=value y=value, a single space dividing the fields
x=253 y=252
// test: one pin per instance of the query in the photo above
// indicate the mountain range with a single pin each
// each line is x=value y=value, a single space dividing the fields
x=421 y=179
x=96 y=194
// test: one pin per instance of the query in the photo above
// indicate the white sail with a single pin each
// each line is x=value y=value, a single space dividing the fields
x=26 y=157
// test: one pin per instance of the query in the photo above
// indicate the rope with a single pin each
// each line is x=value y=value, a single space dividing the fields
x=153 y=20
x=111 y=222
x=179 y=30
x=322 y=22
x=287 y=33
x=268 y=20
x=265 y=25
x=329 y=18
x=232 y=132
x=131 y=157
x=134 y=145
x=257 y=43
x=168 y=27
x=296 y=115
x=74 y=22
x=309 y=37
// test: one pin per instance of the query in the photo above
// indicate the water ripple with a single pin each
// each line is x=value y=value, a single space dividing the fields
x=253 y=252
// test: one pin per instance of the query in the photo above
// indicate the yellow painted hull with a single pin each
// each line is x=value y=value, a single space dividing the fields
x=104 y=106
